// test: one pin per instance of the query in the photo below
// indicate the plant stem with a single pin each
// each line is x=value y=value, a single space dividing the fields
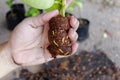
x=62 y=10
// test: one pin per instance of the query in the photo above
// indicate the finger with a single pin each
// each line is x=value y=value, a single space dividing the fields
x=68 y=2
x=45 y=34
x=74 y=50
x=73 y=35
x=43 y=18
x=74 y=22
x=75 y=47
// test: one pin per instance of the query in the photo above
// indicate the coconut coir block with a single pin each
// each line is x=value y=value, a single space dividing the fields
x=60 y=43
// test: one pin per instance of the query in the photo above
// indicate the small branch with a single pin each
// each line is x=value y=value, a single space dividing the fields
x=62 y=11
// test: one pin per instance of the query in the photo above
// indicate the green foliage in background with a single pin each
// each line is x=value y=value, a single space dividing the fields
x=10 y=3
x=32 y=12
x=74 y=4
x=49 y=5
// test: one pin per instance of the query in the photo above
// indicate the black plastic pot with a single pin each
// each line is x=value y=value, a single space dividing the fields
x=18 y=8
x=83 y=29
x=13 y=19
x=15 y=16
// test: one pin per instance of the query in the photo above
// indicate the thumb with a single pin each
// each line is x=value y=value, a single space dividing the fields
x=43 y=18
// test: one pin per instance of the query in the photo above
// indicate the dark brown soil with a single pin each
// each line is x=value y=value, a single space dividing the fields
x=60 y=43
x=84 y=66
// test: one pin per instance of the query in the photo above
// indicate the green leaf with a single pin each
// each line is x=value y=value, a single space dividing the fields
x=74 y=4
x=54 y=7
x=60 y=5
x=32 y=12
x=39 y=4
x=79 y=4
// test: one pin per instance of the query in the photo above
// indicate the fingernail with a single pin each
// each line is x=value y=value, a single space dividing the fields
x=72 y=32
x=73 y=18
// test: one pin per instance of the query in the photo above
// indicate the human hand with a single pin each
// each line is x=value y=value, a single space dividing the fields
x=29 y=40
x=28 y=43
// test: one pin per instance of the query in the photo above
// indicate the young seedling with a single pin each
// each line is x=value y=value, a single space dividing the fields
x=50 y=5
x=60 y=43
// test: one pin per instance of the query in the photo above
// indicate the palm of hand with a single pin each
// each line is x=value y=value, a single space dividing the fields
x=27 y=40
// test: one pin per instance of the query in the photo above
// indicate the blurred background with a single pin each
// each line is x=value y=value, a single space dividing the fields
x=104 y=29
x=4 y=32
